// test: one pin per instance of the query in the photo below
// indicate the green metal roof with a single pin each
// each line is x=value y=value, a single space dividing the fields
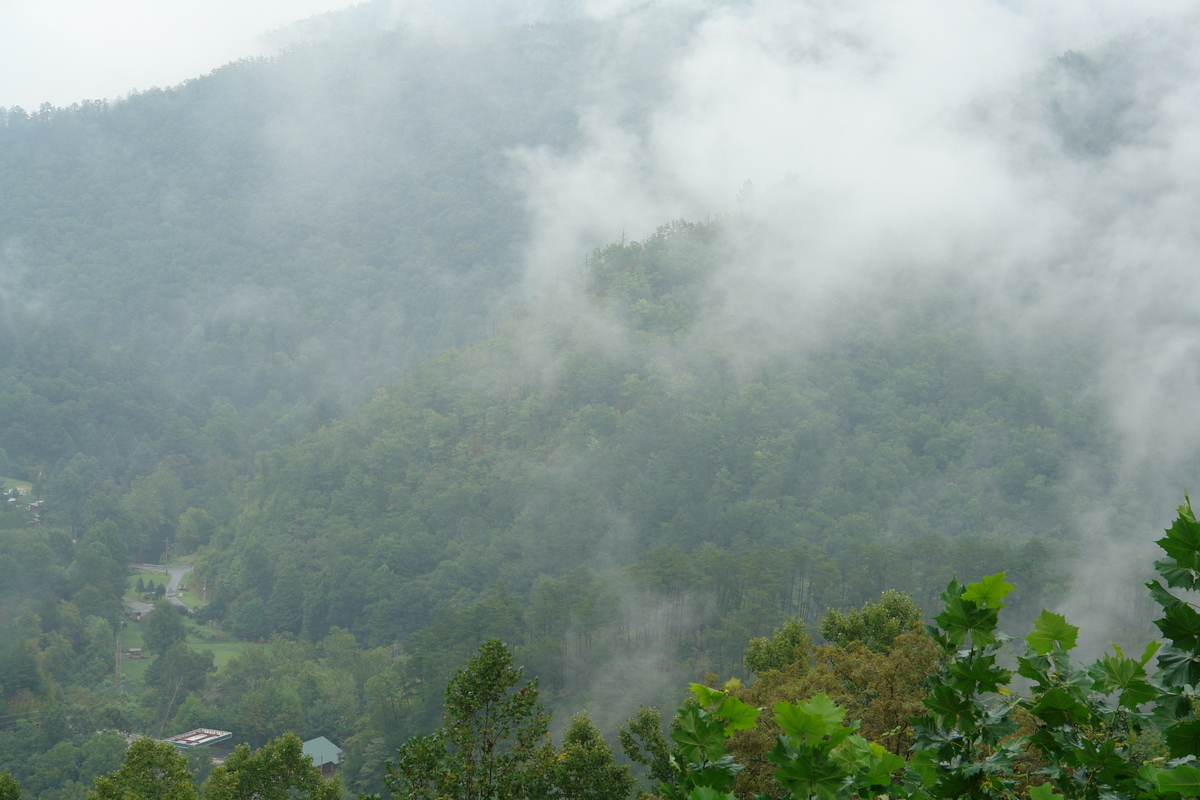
x=323 y=751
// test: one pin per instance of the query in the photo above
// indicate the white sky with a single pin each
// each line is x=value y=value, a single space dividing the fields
x=64 y=51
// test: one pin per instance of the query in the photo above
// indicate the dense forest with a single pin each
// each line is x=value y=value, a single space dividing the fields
x=275 y=329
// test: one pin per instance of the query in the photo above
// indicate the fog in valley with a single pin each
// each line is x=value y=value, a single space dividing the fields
x=621 y=331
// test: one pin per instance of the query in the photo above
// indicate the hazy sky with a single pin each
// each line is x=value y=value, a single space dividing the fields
x=63 y=51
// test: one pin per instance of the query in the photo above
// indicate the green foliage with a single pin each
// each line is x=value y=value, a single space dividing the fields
x=701 y=766
x=789 y=645
x=279 y=770
x=151 y=771
x=875 y=624
x=9 y=788
x=819 y=757
x=493 y=744
x=164 y=628
x=1052 y=631
x=643 y=743
x=585 y=768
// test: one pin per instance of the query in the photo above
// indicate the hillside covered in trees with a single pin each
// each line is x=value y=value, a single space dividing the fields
x=288 y=324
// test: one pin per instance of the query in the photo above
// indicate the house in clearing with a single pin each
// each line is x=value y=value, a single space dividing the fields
x=137 y=610
x=326 y=756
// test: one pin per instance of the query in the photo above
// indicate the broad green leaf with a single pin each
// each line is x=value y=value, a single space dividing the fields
x=1184 y=779
x=1149 y=652
x=1043 y=792
x=818 y=717
x=1177 y=576
x=798 y=722
x=823 y=706
x=978 y=674
x=1184 y=739
x=1178 y=668
x=706 y=793
x=945 y=702
x=811 y=773
x=1124 y=675
x=1181 y=624
x=1162 y=596
x=1051 y=630
x=1182 y=541
x=699 y=736
x=989 y=592
x=963 y=617
x=1057 y=707
x=707 y=697
x=738 y=716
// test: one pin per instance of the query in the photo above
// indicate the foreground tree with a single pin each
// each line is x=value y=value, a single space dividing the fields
x=586 y=769
x=494 y=744
x=151 y=771
x=9 y=788
x=278 y=770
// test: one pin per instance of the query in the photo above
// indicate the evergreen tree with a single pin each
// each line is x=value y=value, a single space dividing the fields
x=586 y=769
x=493 y=745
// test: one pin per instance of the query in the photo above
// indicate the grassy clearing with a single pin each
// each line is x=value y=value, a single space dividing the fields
x=199 y=638
x=133 y=668
x=189 y=598
x=7 y=484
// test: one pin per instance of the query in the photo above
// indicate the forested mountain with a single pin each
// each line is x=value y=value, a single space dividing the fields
x=281 y=231
x=597 y=488
x=280 y=319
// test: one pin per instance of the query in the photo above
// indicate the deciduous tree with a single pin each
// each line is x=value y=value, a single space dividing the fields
x=278 y=770
x=151 y=771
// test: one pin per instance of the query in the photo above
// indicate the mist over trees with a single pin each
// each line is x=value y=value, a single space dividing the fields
x=358 y=332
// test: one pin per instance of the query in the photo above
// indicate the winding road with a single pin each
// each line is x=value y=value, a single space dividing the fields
x=174 y=574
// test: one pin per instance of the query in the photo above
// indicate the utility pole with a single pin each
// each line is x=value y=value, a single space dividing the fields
x=117 y=660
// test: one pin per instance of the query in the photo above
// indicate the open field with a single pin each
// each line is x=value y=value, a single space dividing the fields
x=190 y=599
x=199 y=638
x=11 y=483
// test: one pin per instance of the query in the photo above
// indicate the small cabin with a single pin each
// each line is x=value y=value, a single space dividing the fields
x=326 y=756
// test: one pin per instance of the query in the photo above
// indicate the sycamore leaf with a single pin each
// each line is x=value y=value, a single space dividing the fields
x=1182 y=541
x=1124 y=675
x=989 y=592
x=739 y=716
x=963 y=617
x=1162 y=596
x=699 y=736
x=1176 y=575
x=1184 y=780
x=810 y=774
x=1184 y=739
x=1149 y=652
x=1181 y=624
x=1051 y=630
x=1178 y=668
x=706 y=696
x=816 y=718
x=1057 y=707
x=798 y=722
x=978 y=674
x=823 y=706
x=1043 y=792
x=708 y=793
